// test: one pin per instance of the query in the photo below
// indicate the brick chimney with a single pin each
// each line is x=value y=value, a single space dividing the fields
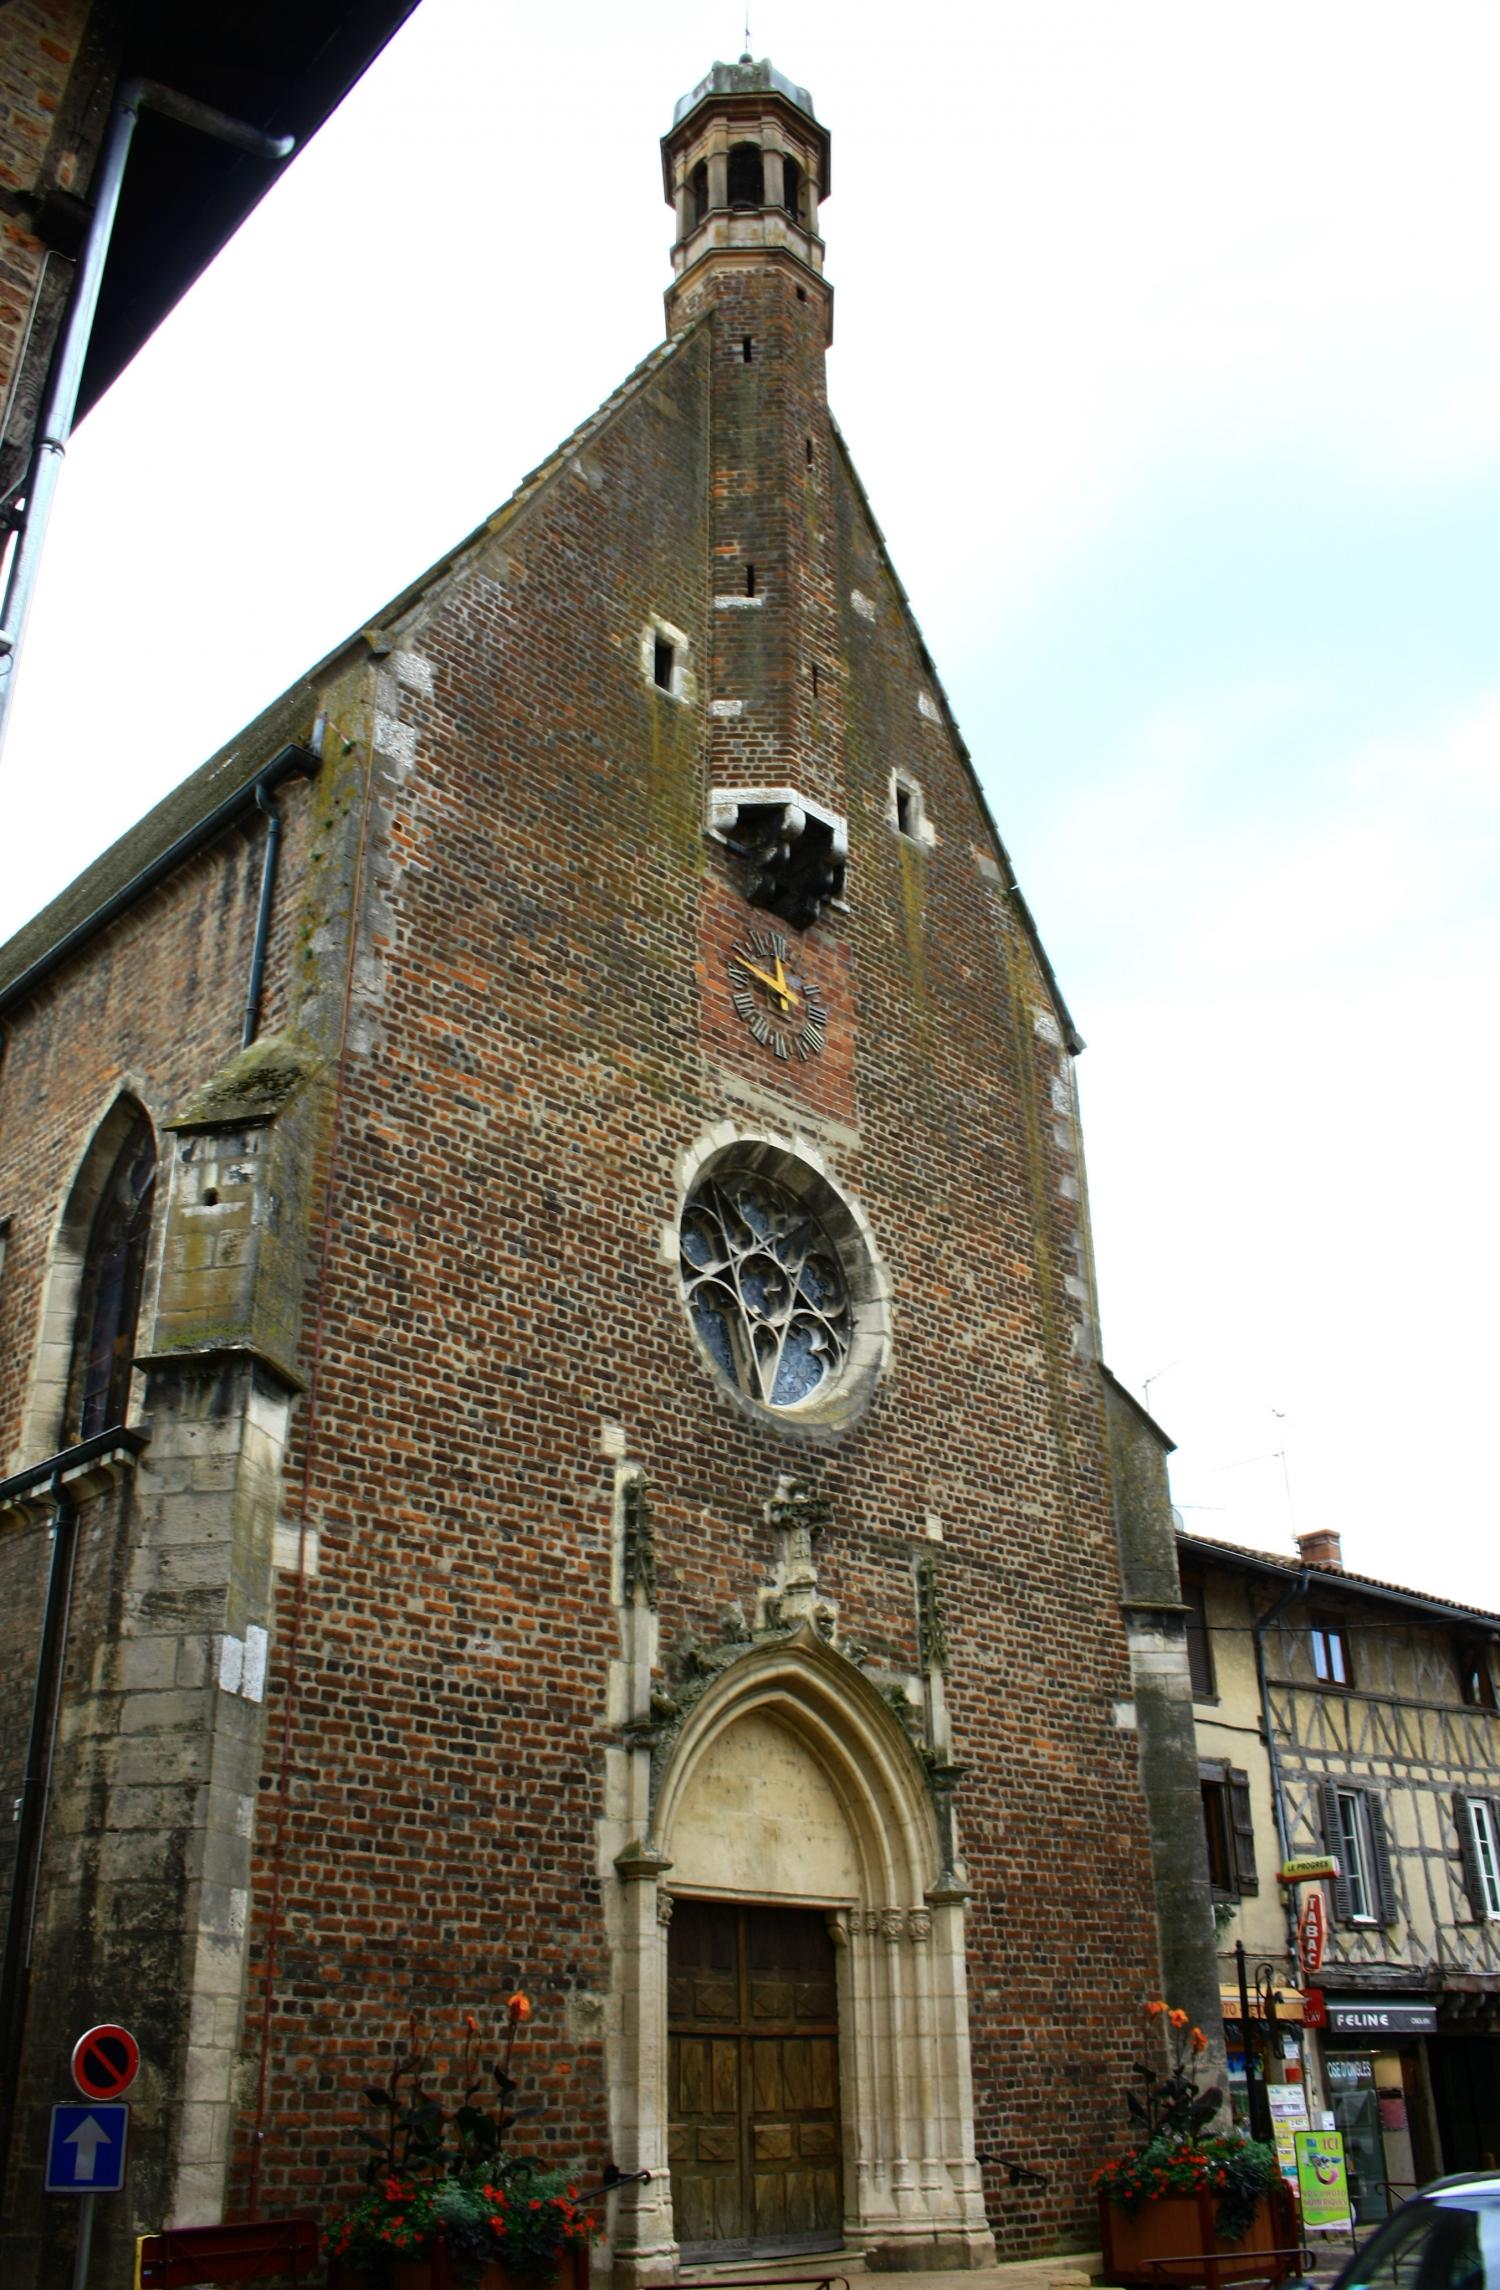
x=1321 y=1548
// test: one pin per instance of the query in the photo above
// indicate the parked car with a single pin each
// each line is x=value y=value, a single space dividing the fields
x=1447 y=2237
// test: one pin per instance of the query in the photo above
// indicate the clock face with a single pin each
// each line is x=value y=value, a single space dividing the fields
x=777 y=1001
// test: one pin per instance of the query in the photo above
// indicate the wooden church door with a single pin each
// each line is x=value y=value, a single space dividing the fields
x=752 y=2053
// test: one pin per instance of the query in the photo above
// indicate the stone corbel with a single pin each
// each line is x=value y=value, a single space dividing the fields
x=641 y=1863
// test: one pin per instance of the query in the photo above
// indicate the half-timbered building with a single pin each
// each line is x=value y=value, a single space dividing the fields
x=1350 y=1721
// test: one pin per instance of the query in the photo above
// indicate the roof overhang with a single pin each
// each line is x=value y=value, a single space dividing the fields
x=279 y=65
x=1322 y=1580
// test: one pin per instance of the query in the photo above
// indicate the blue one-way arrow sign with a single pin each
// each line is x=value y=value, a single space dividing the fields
x=86 y=2152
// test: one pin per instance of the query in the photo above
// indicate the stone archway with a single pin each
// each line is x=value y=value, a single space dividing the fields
x=790 y=1783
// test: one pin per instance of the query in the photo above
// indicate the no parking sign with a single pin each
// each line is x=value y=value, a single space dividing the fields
x=105 y=2060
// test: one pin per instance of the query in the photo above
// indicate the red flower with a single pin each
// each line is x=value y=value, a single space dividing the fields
x=518 y=2006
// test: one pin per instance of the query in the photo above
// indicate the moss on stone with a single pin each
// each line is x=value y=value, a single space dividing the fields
x=255 y=1085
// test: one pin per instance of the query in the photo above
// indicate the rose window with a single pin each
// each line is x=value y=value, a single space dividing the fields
x=765 y=1288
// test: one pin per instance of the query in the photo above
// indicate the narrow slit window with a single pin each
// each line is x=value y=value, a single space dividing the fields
x=698 y=190
x=664 y=660
x=807 y=448
x=747 y=349
x=749 y=580
x=815 y=679
x=908 y=812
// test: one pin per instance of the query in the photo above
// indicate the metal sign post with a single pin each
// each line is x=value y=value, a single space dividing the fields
x=86 y=2147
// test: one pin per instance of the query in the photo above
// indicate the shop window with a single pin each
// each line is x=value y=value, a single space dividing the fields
x=1476 y=1684
x=1228 y=1829
x=1478 y=1823
x=1200 y=1651
x=1330 y=1653
x=1355 y=1832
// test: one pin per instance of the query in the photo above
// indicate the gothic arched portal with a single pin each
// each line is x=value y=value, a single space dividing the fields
x=793 y=1804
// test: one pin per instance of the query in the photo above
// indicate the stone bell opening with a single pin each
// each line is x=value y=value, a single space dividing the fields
x=754 y=2138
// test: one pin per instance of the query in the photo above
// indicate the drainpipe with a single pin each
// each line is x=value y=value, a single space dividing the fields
x=55 y=422
x=15 y=1976
x=263 y=802
x=308 y=763
x=1273 y=1755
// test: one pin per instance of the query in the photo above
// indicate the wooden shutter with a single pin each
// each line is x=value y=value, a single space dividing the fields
x=1468 y=1854
x=1333 y=1839
x=1387 y=1904
x=1243 y=1824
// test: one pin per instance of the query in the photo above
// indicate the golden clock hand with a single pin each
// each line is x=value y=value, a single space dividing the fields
x=778 y=984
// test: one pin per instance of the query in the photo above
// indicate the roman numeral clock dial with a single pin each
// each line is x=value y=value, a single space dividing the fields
x=773 y=995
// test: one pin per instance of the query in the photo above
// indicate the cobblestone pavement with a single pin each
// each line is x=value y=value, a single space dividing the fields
x=1075 y=2270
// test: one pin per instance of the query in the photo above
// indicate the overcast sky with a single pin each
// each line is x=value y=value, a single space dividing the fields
x=1168 y=347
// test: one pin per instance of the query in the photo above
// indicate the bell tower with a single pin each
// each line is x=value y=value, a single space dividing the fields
x=746 y=167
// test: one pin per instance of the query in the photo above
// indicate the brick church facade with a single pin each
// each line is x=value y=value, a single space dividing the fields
x=549 y=1341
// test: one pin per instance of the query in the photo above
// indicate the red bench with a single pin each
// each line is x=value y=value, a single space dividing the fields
x=255 y=2251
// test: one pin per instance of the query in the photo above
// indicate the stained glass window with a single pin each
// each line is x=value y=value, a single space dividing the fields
x=765 y=1288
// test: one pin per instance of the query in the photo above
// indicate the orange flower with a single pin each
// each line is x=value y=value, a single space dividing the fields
x=1198 y=2040
x=1178 y=2019
x=518 y=2006
x=1155 y=2006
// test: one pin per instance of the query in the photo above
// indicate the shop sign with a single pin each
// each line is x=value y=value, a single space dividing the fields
x=1349 y=2070
x=1360 y=2016
x=1288 y=2102
x=1310 y=1932
x=1322 y=2180
x=1314 y=2008
x=1308 y=1868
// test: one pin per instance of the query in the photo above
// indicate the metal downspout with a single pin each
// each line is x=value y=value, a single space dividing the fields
x=15 y=1979
x=1258 y=1631
x=264 y=802
x=55 y=422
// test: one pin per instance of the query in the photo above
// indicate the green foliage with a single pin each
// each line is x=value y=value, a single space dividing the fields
x=1238 y=2171
x=442 y=2176
x=1172 y=2157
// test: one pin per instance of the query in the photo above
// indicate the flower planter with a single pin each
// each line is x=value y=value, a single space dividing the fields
x=434 y=2272
x=1173 y=2241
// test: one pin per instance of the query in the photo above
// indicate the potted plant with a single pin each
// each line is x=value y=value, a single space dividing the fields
x=1186 y=2204
x=445 y=2205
